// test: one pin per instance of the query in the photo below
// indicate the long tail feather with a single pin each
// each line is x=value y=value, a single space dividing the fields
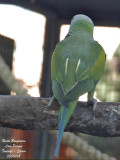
x=61 y=130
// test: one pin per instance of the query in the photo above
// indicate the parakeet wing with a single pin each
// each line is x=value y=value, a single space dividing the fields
x=77 y=66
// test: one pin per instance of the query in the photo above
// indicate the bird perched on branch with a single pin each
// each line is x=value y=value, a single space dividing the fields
x=77 y=65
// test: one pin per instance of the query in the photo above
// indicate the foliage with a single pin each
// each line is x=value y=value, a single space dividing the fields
x=108 y=88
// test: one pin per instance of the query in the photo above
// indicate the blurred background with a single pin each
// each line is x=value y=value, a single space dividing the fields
x=29 y=31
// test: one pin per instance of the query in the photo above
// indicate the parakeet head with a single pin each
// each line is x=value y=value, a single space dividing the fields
x=81 y=21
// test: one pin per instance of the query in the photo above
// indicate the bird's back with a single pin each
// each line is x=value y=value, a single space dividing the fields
x=72 y=62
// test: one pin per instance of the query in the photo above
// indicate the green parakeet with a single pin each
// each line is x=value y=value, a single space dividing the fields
x=77 y=65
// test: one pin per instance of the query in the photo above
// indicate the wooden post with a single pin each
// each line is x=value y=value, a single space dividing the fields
x=52 y=31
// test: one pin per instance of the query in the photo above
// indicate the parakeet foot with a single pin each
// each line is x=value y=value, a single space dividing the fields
x=94 y=103
x=51 y=101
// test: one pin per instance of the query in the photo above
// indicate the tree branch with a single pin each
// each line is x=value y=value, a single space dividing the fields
x=24 y=112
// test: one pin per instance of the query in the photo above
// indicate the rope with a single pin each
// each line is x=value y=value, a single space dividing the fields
x=81 y=147
x=9 y=80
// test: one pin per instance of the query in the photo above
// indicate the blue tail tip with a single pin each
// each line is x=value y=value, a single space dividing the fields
x=57 y=152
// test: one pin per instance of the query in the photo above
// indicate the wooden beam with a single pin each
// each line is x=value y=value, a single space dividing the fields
x=52 y=31
x=103 y=13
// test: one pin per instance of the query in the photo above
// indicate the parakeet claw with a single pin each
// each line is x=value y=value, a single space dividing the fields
x=51 y=101
x=94 y=103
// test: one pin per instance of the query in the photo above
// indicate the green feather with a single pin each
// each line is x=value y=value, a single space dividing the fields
x=77 y=65
x=70 y=109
